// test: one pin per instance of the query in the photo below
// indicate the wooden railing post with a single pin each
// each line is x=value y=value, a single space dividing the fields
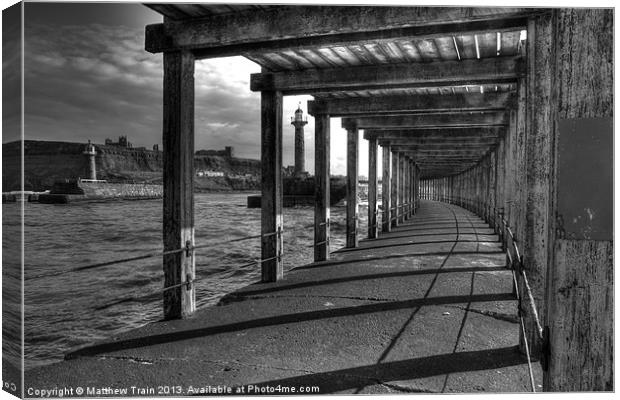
x=352 y=175
x=395 y=183
x=321 y=187
x=386 y=187
x=271 y=186
x=178 y=178
x=372 y=189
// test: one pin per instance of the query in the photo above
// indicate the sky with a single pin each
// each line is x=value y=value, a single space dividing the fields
x=88 y=77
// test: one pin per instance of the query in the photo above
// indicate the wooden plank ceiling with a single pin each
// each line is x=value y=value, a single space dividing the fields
x=461 y=45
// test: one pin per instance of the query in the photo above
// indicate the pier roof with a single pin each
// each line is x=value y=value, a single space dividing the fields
x=362 y=61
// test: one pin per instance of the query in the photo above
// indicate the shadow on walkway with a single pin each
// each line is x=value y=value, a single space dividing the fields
x=177 y=336
x=351 y=378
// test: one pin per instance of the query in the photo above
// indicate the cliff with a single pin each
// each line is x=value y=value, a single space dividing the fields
x=46 y=162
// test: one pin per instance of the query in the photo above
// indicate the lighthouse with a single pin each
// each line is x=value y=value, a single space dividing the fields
x=299 y=123
x=90 y=151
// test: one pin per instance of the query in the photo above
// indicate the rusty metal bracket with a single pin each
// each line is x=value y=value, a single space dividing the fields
x=188 y=248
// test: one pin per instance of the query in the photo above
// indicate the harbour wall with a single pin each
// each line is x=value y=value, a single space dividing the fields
x=69 y=192
x=46 y=162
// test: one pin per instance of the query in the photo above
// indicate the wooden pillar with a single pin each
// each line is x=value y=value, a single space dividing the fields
x=321 y=187
x=352 y=176
x=404 y=174
x=395 y=191
x=532 y=199
x=410 y=188
x=373 y=227
x=271 y=186
x=580 y=278
x=401 y=188
x=414 y=187
x=386 y=187
x=417 y=189
x=178 y=178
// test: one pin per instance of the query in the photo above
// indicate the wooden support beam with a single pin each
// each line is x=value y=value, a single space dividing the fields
x=287 y=27
x=425 y=121
x=439 y=150
x=444 y=73
x=352 y=176
x=580 y=301
x=178 y=177
x=438 y=143
x=386 y=187
x=538 y=88
x=372 y=190
x=271 y=186
x=438 y=140
x=437 y=133
x=417 y=188
x=402 y=187
x=460 y=159
x=408 y=188
x=395 y=189
x=435 y=103
x=321 y=187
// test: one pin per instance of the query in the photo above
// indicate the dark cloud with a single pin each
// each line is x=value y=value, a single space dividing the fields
x=92 y=79
x=11 y=73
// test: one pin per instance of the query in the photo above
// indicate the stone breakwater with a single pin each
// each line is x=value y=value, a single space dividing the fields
x=68 y=192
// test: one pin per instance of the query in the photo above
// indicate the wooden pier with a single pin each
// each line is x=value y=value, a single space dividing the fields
x=507 y=112
x=426 y=308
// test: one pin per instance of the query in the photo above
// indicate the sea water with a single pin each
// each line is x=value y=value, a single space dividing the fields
x=71 y=309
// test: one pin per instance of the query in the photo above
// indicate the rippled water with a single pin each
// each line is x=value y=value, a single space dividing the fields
x=70 y=310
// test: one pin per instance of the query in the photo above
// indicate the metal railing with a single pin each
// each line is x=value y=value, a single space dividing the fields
x=189 y=250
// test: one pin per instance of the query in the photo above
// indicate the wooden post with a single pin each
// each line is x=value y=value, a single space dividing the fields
x=271 y=183
x=373 y=227
x=532 y=228
x=413 y=187
x=401 y=189
x=386 y=187
x=321 y=187
x=352 y=175
x=178 y=177
x=408 y=187
x=395 y=182
x=416 y=192
x=580 y=278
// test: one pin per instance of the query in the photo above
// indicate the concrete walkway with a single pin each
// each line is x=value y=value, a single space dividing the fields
x=428 y=307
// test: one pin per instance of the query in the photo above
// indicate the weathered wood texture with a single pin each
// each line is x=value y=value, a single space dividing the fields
x=271 y=186
x=410 y=188
x=580 y=277
x=539 y=123
x=386 y=187
x=297 y=26
x=402 y=175
x=398 y=104
x=352 y=175
x=321 y=188
x=426 y=121
x=437 y=133
x=395 y=189
x=464 y=72
x=585 y=64
x=582 y=321
x=372 y=190
x=178 y=177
